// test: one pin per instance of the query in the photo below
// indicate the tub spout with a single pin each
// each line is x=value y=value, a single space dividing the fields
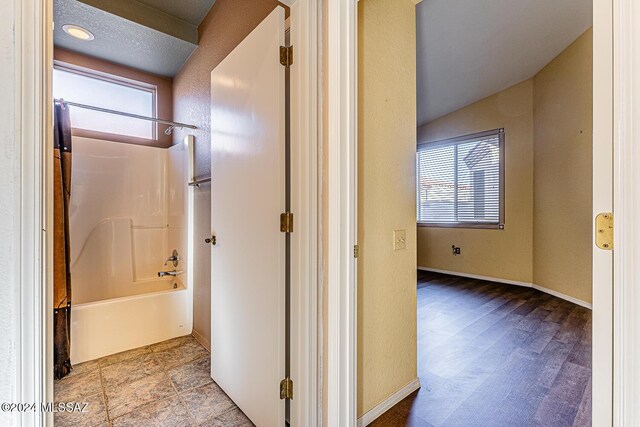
x=169 y=273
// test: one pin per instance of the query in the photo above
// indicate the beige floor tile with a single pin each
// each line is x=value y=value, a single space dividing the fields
x=170 y=412
x=95 y=414
x=74 y=387
x=130 y=370
x=232 y=418
x=206 y=402
x=193 y=374
x=131 y=396
x=181 y=354
x=140 y=387
x=125 y=355
x=83 y=368
x=175 y=342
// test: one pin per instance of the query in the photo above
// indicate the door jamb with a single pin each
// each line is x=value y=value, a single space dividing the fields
x=603 y=277
x=306 y=302
x=342 y=194
x=34 y=120
x=341 y=200
x=626 y=184
x=33 y=164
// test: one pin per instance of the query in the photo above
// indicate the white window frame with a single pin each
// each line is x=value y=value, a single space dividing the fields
x=116 y=80
x=454 y=141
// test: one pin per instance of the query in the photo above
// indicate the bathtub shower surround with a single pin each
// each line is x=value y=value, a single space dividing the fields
x=128 y=212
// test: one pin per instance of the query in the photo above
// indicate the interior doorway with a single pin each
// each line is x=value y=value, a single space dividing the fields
x=174 y=176
x=464 y=193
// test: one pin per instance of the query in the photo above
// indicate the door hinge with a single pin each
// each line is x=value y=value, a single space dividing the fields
x=286 y=388
x=286 y=222
x=604 y=231
x=356 y=251
x=286 y=55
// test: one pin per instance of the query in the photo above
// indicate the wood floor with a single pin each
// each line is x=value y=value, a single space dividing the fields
x=497 y=355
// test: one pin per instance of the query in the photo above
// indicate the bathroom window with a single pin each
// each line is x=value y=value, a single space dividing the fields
x=460 y=181
x=105 y=91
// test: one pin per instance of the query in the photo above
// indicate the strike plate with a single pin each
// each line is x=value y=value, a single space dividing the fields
x=604 y=231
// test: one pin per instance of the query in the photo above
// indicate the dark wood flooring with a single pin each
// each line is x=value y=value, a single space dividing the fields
x=497 y=355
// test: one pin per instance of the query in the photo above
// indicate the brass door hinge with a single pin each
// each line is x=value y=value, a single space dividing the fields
x=286 y=388
x=286 y=55
x=286 y=222
x=356 y=251
x=604 y=231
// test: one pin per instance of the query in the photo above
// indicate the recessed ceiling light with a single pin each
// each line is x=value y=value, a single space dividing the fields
x=77 y=32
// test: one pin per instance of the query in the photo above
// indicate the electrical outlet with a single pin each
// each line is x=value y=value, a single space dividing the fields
x=455 y=250
x=399 y=239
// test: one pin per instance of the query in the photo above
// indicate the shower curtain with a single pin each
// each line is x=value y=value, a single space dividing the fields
x=61 y=250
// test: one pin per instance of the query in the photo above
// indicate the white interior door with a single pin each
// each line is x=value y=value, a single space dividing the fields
x=247 y=197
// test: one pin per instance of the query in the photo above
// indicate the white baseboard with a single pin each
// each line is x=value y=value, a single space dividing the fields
x=476 y=276
x=372 y=414
x=201 y=339
x=562 y=296
x=512 y=282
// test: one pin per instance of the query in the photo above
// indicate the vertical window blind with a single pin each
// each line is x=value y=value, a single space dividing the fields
x=460 y=181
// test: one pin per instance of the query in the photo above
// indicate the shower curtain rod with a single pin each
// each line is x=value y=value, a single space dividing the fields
x=135 y=116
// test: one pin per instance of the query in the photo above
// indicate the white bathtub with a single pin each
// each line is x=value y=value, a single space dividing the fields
x=160 y=311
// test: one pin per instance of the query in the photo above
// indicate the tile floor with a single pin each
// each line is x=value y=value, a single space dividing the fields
x=164 y=384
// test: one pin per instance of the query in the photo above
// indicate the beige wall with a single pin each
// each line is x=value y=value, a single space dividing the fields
x=386 y=175
x=225 y=26
x=548 y=128
x=563 y=97
x=507 y=253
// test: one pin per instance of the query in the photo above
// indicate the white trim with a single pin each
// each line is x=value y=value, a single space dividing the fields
x=603 y=277
x=201 y=339
x=562 y=296
x=372 y=414
x=626 y=342
x=190 y=208
x=477 y=276
x=512 y=282
x=341 y=200
x=35 y=161
x=306 y=342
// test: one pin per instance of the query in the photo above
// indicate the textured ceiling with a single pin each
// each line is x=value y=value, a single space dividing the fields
x=470 y=49
x=154 y=43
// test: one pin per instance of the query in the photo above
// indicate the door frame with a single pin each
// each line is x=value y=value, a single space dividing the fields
x=340 y=210
x=34 y=163
x=616 y=374
x=306 y=163
x=626 y=184
x=604 y=280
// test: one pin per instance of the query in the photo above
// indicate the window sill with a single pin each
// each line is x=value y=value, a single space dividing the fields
x=462 y=225
x=84 y=133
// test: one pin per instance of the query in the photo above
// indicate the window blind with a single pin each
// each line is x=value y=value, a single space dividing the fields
x=460 y=181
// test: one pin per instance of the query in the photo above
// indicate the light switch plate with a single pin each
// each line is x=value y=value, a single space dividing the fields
x=399 y=239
